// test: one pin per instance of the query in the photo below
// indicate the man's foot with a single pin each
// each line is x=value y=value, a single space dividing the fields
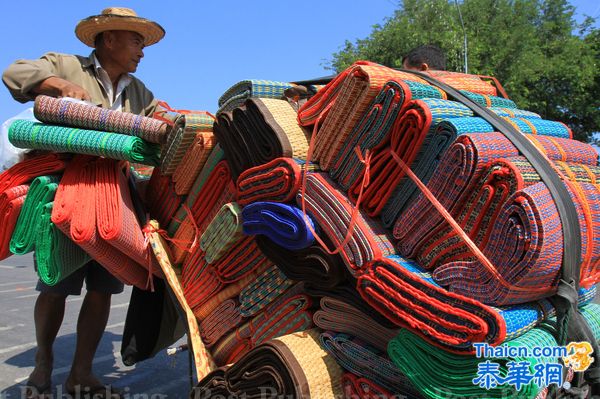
x=89 y=387
x=39 y=383
x=35 y=391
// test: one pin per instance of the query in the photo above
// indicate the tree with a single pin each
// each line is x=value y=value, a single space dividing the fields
x=546 y=61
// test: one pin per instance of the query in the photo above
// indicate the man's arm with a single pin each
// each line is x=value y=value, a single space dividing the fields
x=27 y=78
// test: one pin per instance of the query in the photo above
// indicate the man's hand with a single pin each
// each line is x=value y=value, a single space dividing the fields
x=57 y=87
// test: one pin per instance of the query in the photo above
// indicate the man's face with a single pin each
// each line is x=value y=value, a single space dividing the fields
x=125 y=49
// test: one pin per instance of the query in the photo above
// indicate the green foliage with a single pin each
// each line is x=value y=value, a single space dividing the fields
x=545 y=61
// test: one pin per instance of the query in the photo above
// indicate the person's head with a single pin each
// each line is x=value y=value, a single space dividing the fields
x=425 y=57
x=119 y=35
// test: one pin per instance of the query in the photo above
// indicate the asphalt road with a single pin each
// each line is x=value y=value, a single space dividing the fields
x=161 y=377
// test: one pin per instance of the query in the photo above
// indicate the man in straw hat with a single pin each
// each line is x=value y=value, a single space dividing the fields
x=118 y=37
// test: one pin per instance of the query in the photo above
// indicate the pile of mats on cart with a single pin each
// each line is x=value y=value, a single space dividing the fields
x=313 y=265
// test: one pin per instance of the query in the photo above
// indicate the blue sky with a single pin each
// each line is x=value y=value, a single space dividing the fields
x=209 y=45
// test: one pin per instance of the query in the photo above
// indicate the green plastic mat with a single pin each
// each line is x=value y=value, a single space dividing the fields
x=28 y=134
x=41 y=191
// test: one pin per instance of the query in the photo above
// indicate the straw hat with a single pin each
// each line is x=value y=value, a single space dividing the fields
x=118 y=18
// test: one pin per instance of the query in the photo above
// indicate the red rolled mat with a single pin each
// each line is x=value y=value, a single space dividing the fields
x=225 y=317
x=27 y=170
x=199 y=279
x=161 y=198
x=359 y=387
x=243 y=258
x=192 y=162
x=277 y=181
x=11 y=202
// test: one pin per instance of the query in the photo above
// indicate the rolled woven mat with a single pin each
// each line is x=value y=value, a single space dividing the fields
x=375 y=124
x=74 y=214
x=161 y=198
x=260 y=131
x=332 y=211
x=360 y=387
x=181 y=138
x=283 y=224
x=116 y=219
x=66 y=112
x=462 y=164
x=292 y=366
x=11 y=202
x=313 y=264
x=242 y=258
x=216 y=156
x=486 y=100
x=223 y=231
x=25 y=171
x=41 y=191
x=439 y=374
x=192 y=162
x=358 y=86
x=277 y=181
x=286 y=315
x=435 y=144
x=27 y=134
x=228 y=291
x=225 y=317
x=364 y=361
x=198 y=279
x=339 y=316
x=56 y=255
x=262 y=291
x=463 y=81
x=217 y=191
x=237 y=94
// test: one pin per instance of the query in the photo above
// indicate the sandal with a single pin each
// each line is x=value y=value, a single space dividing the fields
x=35 y=391
x=96 y=392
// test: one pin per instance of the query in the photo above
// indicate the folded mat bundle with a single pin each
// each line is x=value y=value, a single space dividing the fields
x=161 y=198
x=464 y=81
x=32 y=167
x=283 y=224
x=216 y=156
x=237 y=94
x=116 y=220
x=57 y=256
x=69 y=112
x=440 y=374
x=407 y=295
x=461 y=166
x=287 y=314
x=11 y=202
x=277 y=181
x=223 y=231
x=198 y=279
x=28 y=134
x=181 y=138
x=292 y=366
x=193 y=161
x=444 y=135
x=260 y=131
x=74 y=213
x=375 y=124
x=313 y=264
x=217 y=191
x=360 y=387
x=359 y=358
x=224 y=318
x=340 y=316
x=41 y=192
x=332 y=211
x=262 y=291
x=242 y=258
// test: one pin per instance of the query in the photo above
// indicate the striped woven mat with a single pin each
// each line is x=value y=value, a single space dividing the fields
x=439 y=374
x=198 y=279
x=27 y=134
x=41 y=192
x=283 y=224
x=223 y=231
x=313 y=265
x=292 y=366
x=66 y=112
x=278 y=181
x=25 y=171
x=332 y=211
x=463 y=81
x=56 y=255
x=237 y=94
x=360 y=387
x=242 y=258
x=262 y=291
x=192 y=162
x=161 y=198
x=180 y=139
x=286 y=315
x=11 y=202
x=224 y=318
x=260 y=131
x=339 y=316
x=359 y=358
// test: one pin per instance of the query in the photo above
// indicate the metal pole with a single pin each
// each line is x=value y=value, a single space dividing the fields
x=462 y=24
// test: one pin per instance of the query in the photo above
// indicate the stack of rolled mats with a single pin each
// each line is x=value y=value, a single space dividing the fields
x=70 y=126
x=237 y=94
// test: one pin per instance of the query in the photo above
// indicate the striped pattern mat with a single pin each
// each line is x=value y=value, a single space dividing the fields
x=180 y=139
x=224 y=318
x=223 y=231
x=360 y=387
x=262 y=291
x=237 y=94
x=192 y=162
x=163 y=202
x=242 y=258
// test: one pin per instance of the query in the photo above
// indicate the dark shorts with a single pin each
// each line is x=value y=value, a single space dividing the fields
x=96 y=277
